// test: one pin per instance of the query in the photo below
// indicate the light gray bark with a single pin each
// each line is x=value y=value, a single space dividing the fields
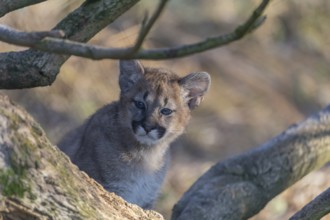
x=240 y=187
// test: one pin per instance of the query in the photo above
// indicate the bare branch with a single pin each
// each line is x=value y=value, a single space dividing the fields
x=35 y=40
x=147 y=25
x=316 y=209
x=13 y=36
x=69 y=47
x=11 y=5
x=32 y=68
x=254 y=21
x=240 y=187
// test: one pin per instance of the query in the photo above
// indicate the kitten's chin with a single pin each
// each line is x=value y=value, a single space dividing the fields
x=146 y=140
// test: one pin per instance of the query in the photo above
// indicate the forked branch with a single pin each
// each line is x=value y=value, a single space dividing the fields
x=69 y=47
x=33 y=68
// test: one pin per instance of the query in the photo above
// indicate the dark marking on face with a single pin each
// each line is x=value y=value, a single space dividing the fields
x=145 y=96
x=165 y=101
x=161 y=131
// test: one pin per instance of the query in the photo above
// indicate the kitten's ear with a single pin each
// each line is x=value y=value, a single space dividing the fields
x=131 y=71
x=195 y=85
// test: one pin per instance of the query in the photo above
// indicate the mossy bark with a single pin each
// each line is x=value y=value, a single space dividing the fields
x=37 y=181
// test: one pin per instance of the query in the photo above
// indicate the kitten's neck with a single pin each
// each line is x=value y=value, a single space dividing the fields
x=151 y=158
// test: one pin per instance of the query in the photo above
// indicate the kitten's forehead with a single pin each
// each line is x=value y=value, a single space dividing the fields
x=157 y=97
x=161 y=81
x=160 y=76
x=161 y=86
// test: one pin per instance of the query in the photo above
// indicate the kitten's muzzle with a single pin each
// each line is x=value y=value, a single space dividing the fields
x=142 y=128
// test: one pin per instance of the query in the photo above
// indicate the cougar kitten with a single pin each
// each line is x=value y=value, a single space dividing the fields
x=124 y=145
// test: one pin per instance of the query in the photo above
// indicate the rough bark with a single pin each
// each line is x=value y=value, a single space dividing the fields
x=37 y=181
x=33 y=68
x=240 y=187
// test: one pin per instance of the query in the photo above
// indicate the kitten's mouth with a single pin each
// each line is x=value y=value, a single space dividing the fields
x=147 y=135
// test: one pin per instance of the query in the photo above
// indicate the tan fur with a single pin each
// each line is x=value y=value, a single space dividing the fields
x=124 y=145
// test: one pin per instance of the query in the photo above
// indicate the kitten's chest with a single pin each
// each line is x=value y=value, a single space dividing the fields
x=143 y=187
x=140 y=175
x=149 y=160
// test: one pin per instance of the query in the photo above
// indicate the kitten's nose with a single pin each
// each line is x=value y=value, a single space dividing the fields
x=160 y=131
x=148 y=128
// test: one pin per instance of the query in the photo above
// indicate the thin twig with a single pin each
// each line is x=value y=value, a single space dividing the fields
x=147 y=25
x=254 y=21
x=69 y=47
x=316 y=209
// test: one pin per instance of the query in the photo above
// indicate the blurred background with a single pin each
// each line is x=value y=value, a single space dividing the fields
x=261 y=84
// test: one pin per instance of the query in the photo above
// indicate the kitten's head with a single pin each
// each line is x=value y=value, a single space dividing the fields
x=157 y=101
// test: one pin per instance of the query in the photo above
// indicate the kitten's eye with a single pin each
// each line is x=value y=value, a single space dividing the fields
x=140 y=105
x=166 y=111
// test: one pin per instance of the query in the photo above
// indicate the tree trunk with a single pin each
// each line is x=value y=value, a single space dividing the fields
x=39 y=182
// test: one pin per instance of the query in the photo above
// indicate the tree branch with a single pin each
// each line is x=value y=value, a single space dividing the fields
x=37 y=39
x=13 y=36
x=254 y=21
x=11 y=5
x=316 y=209
x=240 y=187
x=32 y=68
x=95 y=52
